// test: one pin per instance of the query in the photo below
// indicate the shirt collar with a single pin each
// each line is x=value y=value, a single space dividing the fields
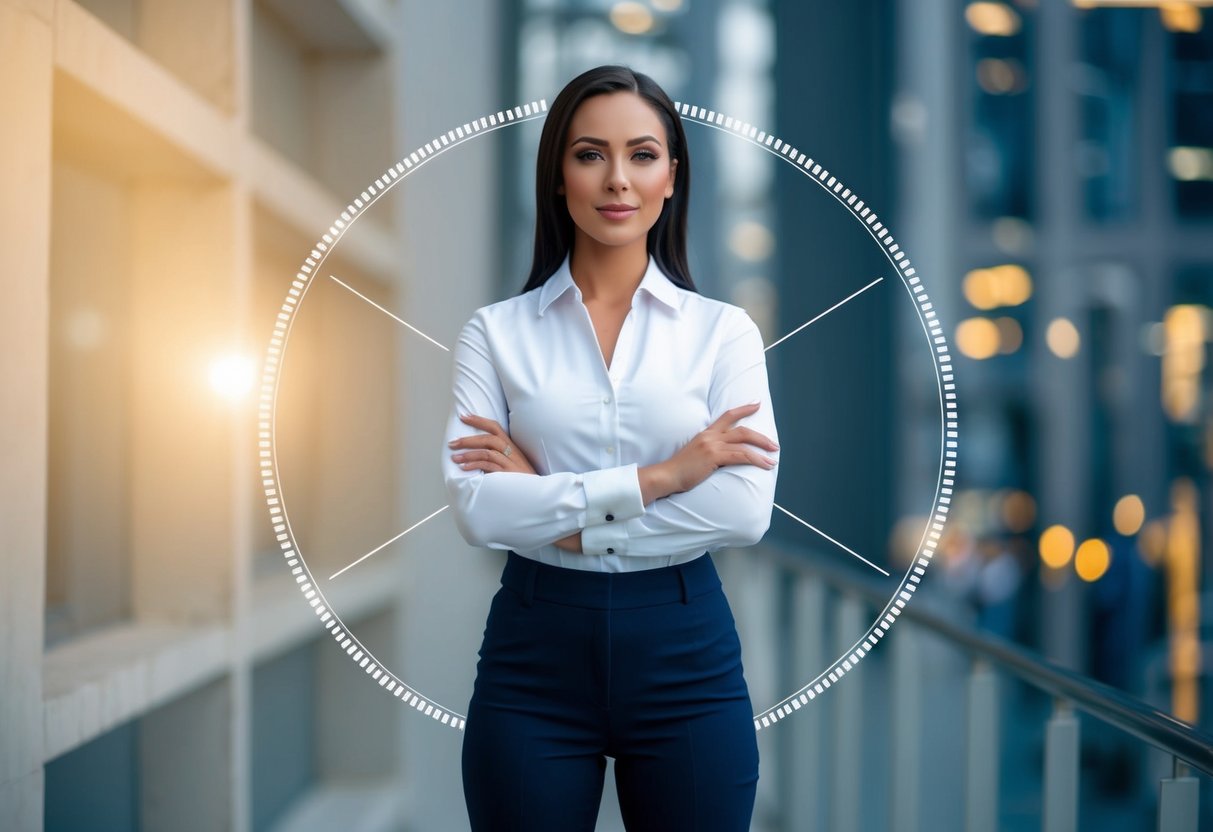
x=654 y=282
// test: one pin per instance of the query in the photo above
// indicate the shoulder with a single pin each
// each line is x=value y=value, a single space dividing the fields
x=505 y=314
x=726 y=320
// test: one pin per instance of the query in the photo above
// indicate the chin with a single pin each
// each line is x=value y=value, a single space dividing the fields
x=618 y=242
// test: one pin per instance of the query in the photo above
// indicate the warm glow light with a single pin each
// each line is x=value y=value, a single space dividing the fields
x=1062 y=338
x=1183 y=598
x=1092 y=559
x=906 y=537
x=1184 y=611
x=999 y=76
x=1013 y=284
x=1152 y=542
x=978 y=288
x=1005 y=285
x=1018 y=511
x=1128 y=515
x=1190 y=164
x=1056 y=546
x=667 y=5
x=1183 y=359
x=1138 y=4
x=1180 y=17
x=1010 y=335
x=1186 y=654
x=631 y=18
x=992 y=19
x=751 y=240
x=232 y=376
x=977 y=337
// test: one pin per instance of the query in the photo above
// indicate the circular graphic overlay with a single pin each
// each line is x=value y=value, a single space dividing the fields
x=803 y=164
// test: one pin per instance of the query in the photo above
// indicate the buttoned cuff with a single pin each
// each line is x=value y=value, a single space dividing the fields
x=605 y=539
x=612 y=495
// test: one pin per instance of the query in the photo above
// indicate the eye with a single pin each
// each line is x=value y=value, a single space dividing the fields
x=646 y=155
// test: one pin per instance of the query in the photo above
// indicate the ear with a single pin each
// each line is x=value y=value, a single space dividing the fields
x=560 y=189
x=669 y=191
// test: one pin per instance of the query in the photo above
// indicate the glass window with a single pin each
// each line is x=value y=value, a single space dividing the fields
x=1109 y=61
x=1190 y=156
x=999 y=157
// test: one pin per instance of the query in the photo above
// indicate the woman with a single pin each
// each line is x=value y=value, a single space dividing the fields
x=596 y=435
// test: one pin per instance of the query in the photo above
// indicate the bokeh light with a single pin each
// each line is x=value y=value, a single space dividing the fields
x=1092 y=559
x=1062 y=338
x=1128 y=515
x=1056 y=546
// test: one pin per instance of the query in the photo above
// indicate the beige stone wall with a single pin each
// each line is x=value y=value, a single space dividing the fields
x=167 y=166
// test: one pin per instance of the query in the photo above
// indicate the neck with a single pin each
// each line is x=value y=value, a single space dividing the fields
x=608 y=274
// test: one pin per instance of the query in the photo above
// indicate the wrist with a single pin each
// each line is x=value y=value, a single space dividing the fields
x=656 y=481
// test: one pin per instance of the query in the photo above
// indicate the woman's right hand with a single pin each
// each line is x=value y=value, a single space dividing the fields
x=717 y=445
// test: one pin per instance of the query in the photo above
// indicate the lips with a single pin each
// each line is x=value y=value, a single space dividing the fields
x=617 y=211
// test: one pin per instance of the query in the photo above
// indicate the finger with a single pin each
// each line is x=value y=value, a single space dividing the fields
x=488 y=456
x=483 y=423
x=761 y=460
x=479 y=440
x=478 y=454
x=743 y=434
x=733 y=414
x=742 y=456
x=485 y=465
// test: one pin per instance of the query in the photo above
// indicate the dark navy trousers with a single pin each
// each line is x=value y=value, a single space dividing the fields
x=644 y=667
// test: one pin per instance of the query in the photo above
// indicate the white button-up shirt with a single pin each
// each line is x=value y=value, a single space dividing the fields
x=533 y=363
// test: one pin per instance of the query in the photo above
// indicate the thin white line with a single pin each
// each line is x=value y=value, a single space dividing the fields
x=832 y=540
x=828 y=311
x=384 y=311
x=381 y=545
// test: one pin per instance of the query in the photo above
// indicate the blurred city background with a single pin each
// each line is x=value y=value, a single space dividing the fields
x=1016 y=432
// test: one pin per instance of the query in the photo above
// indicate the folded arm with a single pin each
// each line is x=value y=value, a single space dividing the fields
x=732 y=506
x=511 y=510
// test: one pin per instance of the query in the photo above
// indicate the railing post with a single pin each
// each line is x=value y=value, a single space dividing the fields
x=983 y=749
x=1179 y=801
x=847 y=703
x=1061 y=770
x=805 y=793
x=906 y=702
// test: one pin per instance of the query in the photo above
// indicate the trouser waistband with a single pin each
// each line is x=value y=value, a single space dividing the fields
x=609 y=590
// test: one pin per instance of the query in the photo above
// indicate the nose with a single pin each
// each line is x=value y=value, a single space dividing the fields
x=617 y=179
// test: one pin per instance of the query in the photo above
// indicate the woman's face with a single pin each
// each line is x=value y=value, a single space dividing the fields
x=616 y=154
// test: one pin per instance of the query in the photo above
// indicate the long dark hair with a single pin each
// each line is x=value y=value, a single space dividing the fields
x=667 y=239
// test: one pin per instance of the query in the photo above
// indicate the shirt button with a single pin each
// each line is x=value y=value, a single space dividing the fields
x=610 y=551
x=606 y=399
x=610 y=449
x=610 y=517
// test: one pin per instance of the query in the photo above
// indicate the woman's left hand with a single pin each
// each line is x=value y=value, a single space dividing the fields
x=491 y=451
x=486 y=451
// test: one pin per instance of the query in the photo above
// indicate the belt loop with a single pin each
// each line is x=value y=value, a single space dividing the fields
x=528 y=592
x=682 y=579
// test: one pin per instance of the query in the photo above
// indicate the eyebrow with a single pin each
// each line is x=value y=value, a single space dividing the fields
x=605 y=143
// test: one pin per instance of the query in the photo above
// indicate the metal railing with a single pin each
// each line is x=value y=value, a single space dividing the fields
x=851 y=592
